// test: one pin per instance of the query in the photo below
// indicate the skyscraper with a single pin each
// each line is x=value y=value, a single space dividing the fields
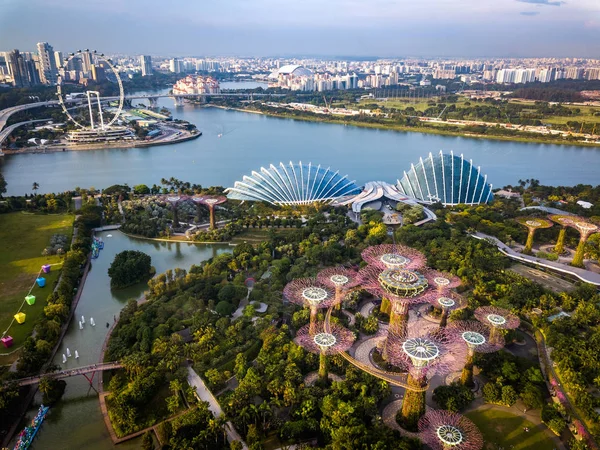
x=175 y=65
x=17 y=69
x=146 y=63
x=47 y=63
x=58 y=59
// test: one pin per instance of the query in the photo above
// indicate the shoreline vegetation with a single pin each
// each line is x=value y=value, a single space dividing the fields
x=403 y=128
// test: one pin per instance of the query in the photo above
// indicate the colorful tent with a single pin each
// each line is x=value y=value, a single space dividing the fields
x=46 y=268
x=41 y=281
x=7 y=341
x=30 y=299
x=20 y=317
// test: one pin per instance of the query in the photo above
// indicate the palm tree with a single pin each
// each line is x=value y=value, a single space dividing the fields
x=35 y=186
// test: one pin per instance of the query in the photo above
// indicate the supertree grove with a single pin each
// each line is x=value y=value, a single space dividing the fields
x=311 y=293
x=174 y=201
x=324 y=342
x=497 y=319
x=423 y=354
x=446 y=300
x=532 y=225
x=341 y=279
x=476 y=336
x=444 y=430
x=585 y=229
x=392 y=256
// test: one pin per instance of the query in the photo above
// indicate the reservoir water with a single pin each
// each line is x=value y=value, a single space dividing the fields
x=235 y=143
x=76 y=421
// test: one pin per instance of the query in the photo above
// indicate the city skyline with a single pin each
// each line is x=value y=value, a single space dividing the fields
x=386 y=28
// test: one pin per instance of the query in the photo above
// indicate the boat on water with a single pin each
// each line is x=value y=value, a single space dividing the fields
x=28 y=433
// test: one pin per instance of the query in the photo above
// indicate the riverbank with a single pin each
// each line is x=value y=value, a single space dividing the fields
x=424 y=130
x=176 y=240
x=101 y=146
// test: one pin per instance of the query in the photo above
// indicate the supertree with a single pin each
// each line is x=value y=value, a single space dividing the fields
x=424 y=353
x=476 y=337
x=497 y=319
x=564 y=221
x=336 y=339
x=445 y=430
x=446 y=299
x=210 y=201
x=585 y=229
x=392 y=256
x=311 y=293
x=341 y=279
x=401 y=288
x=174 y=201
x=532 y=225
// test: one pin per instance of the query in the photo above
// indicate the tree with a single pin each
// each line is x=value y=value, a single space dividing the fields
x=129 y=267
x=147 y=441
x=454 y=397
x=141 y=189
x=35 y=186
x=557 y=425
x=509 y=395
x=2 y=185
x=224 y=309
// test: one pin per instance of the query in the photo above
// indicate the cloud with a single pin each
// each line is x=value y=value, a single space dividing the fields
x=542 y=2
x=529 y=13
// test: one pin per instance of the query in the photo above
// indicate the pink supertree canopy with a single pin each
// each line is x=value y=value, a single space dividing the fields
x=394 y=284
x=339 y=278
x=392 y=256
x=209 y=200
x=337 y=340
x=476 y=336
x=309 y=292
x=442 y=281
x=497 y=317
x=424 y=352
x=448 y=301
x=443 y=430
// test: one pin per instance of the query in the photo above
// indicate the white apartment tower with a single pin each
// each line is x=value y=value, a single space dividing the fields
x=146 y=63
x=47 y=63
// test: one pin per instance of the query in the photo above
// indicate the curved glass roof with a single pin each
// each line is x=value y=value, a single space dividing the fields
x=292 y=184
x=447 y=178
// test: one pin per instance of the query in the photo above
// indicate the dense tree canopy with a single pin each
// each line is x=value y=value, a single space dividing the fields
x=129 y=267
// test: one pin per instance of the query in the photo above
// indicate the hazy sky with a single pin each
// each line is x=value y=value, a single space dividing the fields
x=307 y=27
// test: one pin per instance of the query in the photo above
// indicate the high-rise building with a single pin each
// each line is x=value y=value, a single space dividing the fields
x=146 y=63
x=86 y=62
x=58 y=59
x=47 y=63
x=175 y=65
x=17 y=69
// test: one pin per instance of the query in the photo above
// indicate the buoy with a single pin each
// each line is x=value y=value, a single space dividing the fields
x=76 y=354
x=64 y=358
x=109 y=235
x=82 y=319
x=92 y=323
x=68 y=353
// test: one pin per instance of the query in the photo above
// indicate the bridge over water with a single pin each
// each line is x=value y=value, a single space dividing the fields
x=84 y=370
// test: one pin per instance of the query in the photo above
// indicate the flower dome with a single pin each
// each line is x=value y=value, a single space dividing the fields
x=292 y=184
x=448 y=179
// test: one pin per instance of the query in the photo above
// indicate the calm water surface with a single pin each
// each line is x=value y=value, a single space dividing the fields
x=249 y=141
x=76 y=421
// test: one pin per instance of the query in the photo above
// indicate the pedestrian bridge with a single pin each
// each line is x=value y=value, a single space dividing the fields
x=93 y=368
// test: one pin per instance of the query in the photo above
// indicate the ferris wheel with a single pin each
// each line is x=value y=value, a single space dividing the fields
x=91 y=95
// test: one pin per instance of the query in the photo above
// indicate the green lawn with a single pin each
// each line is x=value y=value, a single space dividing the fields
x=257 y=235
x=23 y=237
x=502 y=429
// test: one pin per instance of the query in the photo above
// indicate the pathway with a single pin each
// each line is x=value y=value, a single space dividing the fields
x=213 y=405
x=92 y=368
x=389 y=418
x=351 y=318
x=583 y=274
x=366 y=309
x=312 y=377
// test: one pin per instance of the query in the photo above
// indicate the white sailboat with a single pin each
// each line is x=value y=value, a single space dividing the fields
x=68 y=353
x=82 y=319
x=64 y=358
x=80 y=325
x=92 y=322
x=76 y=354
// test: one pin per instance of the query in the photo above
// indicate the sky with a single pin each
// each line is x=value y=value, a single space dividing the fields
x=382 y=28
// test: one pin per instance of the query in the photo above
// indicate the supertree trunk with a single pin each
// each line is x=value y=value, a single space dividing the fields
x=386 y=306
x=560 y=243
x=413 y=405
x=398 y=318
x=323 y=371
x=578 y=258
x=339 y=297
x=444 y=318
x=529 y=243
x=213 y=224
x=175 y=217
x=313 y=321
x=466 y=377
x=198 y=213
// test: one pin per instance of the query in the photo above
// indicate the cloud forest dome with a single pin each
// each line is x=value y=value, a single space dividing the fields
x=293 y=184
x=447 y=178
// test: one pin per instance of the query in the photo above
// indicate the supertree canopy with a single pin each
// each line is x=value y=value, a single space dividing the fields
x=497 y=319
x=476 y=336
x=209 y=201
x=446 y=300
x=585 y=229
x=564 y=221
x=532 y=224
x=424 y=353
x=341 y=279
x=311 y=293
x=334 y=340
x=174 y=201
x=444 y=430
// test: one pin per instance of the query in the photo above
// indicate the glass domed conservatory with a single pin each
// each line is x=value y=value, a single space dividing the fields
x=446 y=178
x=292 y=184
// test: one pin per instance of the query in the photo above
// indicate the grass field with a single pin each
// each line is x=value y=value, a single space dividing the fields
x=257 y=235
x=23 y=237
x=502 y=429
